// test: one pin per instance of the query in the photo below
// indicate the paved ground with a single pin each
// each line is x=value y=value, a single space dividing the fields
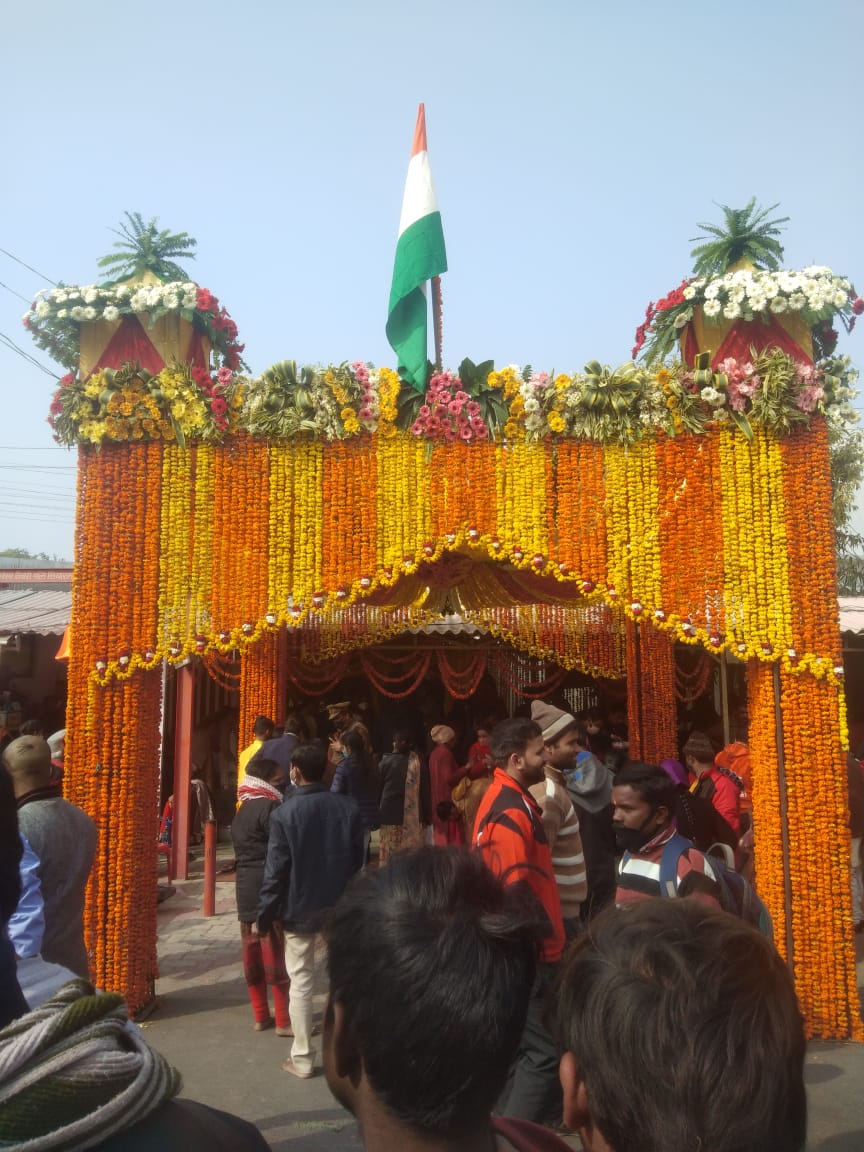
x=203 y=1024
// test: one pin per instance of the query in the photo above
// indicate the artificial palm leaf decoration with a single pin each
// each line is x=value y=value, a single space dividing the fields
x=746 y=234
x=144 y=248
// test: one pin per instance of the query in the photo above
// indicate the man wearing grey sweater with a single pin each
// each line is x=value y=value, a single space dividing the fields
x=64 y=839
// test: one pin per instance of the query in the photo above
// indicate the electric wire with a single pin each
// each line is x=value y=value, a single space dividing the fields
x=26 y=356
x=29 y=267
x=14 y=293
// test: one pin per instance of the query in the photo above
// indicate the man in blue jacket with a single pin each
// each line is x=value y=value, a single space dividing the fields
x=315 y=846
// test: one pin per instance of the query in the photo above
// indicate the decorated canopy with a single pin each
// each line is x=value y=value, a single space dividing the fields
x=591 y=518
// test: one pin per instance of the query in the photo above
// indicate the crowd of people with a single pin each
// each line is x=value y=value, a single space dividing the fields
x=503 y=966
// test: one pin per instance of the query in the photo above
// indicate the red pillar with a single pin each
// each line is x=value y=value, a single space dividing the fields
x=183 y=768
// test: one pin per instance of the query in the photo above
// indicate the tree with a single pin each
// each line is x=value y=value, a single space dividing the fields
x=23 y=554
x=847 y=470
x=143 y=248
x=746 y=234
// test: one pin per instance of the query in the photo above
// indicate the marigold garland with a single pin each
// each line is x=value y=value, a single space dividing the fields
x=240 y=539
x=652 y=728
x=259 y=684
x=113 y=735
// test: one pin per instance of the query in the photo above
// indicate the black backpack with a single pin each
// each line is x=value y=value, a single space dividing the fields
x=736 y=895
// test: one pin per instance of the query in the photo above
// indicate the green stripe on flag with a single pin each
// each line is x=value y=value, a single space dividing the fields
x=420 y=255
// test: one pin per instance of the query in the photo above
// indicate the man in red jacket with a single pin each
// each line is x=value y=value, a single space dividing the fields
x=721 y=786
x=508 y=834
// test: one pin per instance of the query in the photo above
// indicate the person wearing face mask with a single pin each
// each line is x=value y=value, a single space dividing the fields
x=644 y=803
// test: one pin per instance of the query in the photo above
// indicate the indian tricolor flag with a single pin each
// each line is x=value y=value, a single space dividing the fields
x=420 y=255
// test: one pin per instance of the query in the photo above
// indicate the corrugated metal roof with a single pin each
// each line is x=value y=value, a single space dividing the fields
x=852 y=613
x=42 y=610
x=47 y=611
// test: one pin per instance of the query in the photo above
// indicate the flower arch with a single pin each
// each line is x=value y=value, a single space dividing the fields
x=601 y=517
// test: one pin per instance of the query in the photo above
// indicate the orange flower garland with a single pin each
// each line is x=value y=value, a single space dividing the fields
x=700 y=532
x=651 y=710
x=112 y=760
x=260 y=684
x=767 y=827
x=812 y=556
x=691 y=524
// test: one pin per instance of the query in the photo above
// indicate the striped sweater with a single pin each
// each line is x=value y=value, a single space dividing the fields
x=639 y=872
x=561 y=825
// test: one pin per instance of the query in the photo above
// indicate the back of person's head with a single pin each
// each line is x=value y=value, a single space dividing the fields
x=581 y=733
x=650 y=782
x=355 y=743
x=310 y=760
x=262 y=728
x=294 y=725
x=680 y=1030
x=32 y=728
x=402 y=741
x=263 y=768
x=699 y=747
x=431 y=960
x=29 y=762
x=511 y=738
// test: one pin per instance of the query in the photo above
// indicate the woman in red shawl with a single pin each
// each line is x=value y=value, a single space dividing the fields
x=444 y=774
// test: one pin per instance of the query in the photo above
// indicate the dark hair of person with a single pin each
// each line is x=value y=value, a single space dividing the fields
x=11 y=850
x=402 y=740
x=699 y=747
x=262 y=727
x=685 y=1029
x=595 y=715
x=432 y=959
x=578 y=726
x=263 y=768
x=651 y=783
x=310 y=760
x=355 y=741
x=294 y=723
x=33 y=728
x=511 y=738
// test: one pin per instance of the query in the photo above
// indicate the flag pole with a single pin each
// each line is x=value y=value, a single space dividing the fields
x=437 y=320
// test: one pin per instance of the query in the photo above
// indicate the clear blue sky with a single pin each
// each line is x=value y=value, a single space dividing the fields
x=574 y=146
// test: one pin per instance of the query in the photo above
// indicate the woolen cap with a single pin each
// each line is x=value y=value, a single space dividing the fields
x=552 y=720
x=441 y=733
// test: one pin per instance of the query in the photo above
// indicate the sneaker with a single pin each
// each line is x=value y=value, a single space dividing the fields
x=290 y=1067
x=263 y=1025
x=286 y=1030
